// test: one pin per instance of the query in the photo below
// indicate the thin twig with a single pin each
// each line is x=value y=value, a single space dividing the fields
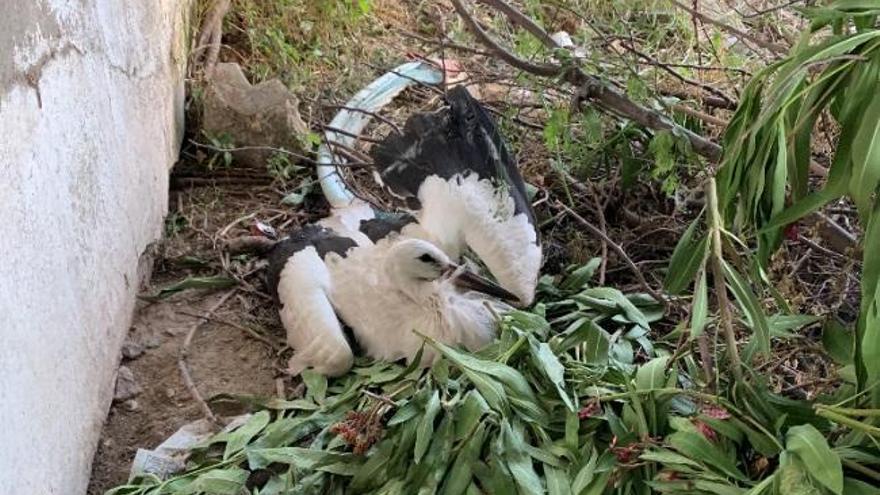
x=184 y=355
x=248 y=331
x=590 y=88
x=705 y=117
x=380 y=398
x=773 y=47
x=669 y=70
x=350 y=153
x=601 y=214
x=374 y=115
x=759 y=13
x=359 y=137
x=445 y=42
x=279 y=150
x=619 y=250
x=547 y=70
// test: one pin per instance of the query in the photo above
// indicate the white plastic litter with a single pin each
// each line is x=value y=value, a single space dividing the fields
x=170 y=456
x=563 y=39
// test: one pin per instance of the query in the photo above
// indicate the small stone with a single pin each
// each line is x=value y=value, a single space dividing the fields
x=170 y=393
x=152 y=341
x=132 y=348
x=132 y=405
x=266 y=114
x=126 y=385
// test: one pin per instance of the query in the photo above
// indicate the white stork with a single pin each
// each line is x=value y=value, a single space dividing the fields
x=386 y=275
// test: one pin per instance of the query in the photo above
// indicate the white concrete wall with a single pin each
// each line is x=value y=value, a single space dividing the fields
x=91 y=101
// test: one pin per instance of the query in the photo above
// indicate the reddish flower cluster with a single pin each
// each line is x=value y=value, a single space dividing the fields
x=626 y=453
x=791 y=232
x=705 y=429
x=668 y=475
x=589 y=410
x=715 y=412
x=360 y=429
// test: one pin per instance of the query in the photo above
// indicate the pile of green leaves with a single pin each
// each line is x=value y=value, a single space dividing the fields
x=572 y=398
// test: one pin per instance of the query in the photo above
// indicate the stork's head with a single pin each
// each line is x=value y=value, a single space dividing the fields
x=414 y=265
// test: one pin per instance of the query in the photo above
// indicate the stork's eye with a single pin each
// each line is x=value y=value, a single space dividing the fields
x=427 y=258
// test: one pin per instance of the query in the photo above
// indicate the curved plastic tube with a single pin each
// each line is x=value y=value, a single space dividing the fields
x=373 y=97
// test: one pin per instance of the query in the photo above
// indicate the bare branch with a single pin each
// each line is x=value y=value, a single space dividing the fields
x=619 y=250
x=773 y=47
x=546 y=70
x=589 y=87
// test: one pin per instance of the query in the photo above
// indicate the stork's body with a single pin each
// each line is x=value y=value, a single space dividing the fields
x=388 y=276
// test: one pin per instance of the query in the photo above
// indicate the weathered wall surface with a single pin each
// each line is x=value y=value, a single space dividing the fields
x=91 y=99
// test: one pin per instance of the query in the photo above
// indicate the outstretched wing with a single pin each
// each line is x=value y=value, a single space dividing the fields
x=300 y=282
x=461 y=138
x=456 y=174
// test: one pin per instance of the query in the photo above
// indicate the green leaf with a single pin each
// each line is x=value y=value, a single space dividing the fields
x=469 y=414
x=316 y=385
x=782 y=325
x=298 y=457
x=838 y=341
x=855 y=487
x=717 y=488
x=750 y=305
x=460 y=475
x=810 y=446
x=549 y=364
x=228 y=481
x=374 y=472
x=404 y=413
x=632 y=313
x=697 y=447
x=686 y=259
x=867 y=341
x=426 y=427
x=700 y=310
x=557 y=481
x=652 y=375
x=241 y=436
x=585 y=474
x=518 y=460
x=578 y=278
x=667 y=457
x=866 y=159
x=515 y=387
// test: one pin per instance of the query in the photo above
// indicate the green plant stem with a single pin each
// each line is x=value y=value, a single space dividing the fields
x=849 y=411
x=847 y=421
x=716 y=256
x=513 y=350
x=855 y=466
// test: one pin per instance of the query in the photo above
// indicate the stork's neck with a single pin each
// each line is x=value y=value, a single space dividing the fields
x=420 y=292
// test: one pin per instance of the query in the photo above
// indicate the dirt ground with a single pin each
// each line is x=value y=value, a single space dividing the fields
x=223 y=360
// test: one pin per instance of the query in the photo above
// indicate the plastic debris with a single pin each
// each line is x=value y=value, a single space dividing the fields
x=170 y=456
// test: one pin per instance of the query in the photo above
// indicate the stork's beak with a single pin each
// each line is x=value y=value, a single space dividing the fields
x=469 y=280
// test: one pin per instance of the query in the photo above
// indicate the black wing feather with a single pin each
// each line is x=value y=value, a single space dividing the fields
x=322 y=239
x=457 y=139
